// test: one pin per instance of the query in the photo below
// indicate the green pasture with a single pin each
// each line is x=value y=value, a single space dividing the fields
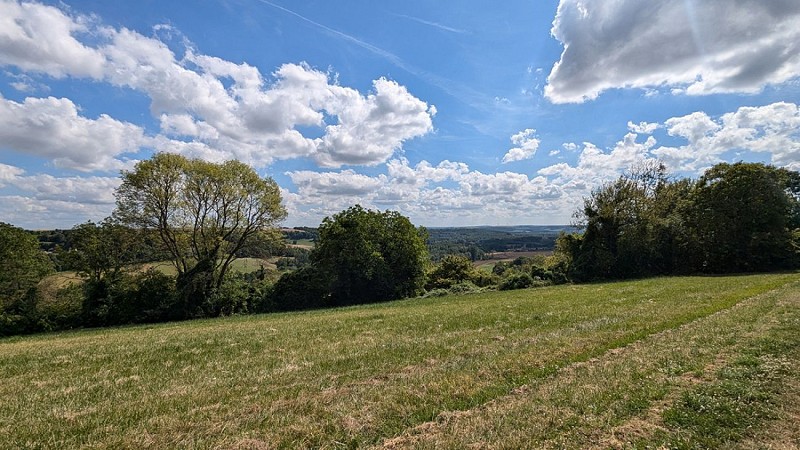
x=685 y=362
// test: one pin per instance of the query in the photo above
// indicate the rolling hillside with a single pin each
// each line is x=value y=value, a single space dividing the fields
x=683 y=362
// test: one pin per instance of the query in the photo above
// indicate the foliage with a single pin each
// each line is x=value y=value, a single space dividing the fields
x=22 y=265
x=204 y=213
x=736 y=217
x=238 y=294
x=742 y=213
x=103 y=250
x=452 y=269
x=59 y=307
x=475 y=242
x=370 y=256
x=263 y=244
x=148 y=296
x=304 y=288
x=518 y=280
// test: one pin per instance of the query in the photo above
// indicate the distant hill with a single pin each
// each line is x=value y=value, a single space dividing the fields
x=475 y=242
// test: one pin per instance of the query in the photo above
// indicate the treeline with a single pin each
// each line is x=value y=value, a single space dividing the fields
x=476 y=242
x=742 y=217
x=735 y=218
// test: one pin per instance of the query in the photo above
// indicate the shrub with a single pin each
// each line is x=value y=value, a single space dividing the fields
x=238 y=294
x=304 y=288
x=516 y=281
x=59 y=308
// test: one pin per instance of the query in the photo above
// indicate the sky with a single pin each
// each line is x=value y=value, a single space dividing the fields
x=455 y=113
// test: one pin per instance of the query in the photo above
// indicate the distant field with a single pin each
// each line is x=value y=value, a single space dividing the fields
x=689 y=362
x=243 y=265
x=493 y=258
x=302 y=243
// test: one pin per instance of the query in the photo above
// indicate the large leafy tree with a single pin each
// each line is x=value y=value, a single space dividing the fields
x=743 y=214
x=102 y=250
x=203 y=212
x=370 y=256
x=634 y=226
x=22 y=264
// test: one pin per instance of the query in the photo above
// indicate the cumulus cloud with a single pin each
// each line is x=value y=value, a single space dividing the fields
x=9 y=173
x=48 y=201
x=216 y=107
x=41 y=38
x=83 y=190
x=36 y=214
x=371 y=129
x=347 y=183
x=52 y=128
x=772 y=129
x=527 y=143
x=434 y=194
x=400 y=172
x=694 y=47
x=643 y=127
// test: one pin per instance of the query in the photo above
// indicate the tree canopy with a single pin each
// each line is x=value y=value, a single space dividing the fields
x=22 y=264
x=204 y=212
x=736 y=217
x=371 y=255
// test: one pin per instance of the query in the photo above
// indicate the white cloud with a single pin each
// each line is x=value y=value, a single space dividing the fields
x=432 y=194
x=83 y=190
x=643 y=127
x=52 y=128
x=595 y=166
x=424 y=173
x=9 y=174
x=695 y=47
x=35 y=214
x=771 y=129
x=371 y=129
x=345 y=183
x=249 y=119
x=41 y=38
x=45 y=201
x=527 y=144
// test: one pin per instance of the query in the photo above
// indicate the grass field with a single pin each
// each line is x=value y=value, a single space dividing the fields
x=692 y=362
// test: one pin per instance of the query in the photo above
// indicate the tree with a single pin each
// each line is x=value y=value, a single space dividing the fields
x=22 y=266
x=743 y=214
x=102 y=250
x=203 y=212
x=633 y=226
x=452 y=269
x=370 y=256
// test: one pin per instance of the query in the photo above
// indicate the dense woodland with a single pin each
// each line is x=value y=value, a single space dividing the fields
x=201 y=217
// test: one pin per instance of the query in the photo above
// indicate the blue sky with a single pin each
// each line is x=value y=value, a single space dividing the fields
x=454 y=113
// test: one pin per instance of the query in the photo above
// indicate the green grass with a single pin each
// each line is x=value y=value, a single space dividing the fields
x=613 y=364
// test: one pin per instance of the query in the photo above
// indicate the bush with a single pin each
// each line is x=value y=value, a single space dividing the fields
x=304 y=288
x=59 y=308
x=144 y=297
x=238 y=294
x=516 y=281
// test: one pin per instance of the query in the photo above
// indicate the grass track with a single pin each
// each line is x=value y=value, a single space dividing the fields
x=567 y=366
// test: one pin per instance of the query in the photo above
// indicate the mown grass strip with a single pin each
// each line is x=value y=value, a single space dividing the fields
x=617 y=400
x=742 y=396
x=351 y=377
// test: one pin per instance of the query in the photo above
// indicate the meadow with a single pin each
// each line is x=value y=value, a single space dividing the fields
x=681 y=362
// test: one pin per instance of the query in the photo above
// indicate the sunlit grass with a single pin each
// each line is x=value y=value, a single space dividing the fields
x=560 y=366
